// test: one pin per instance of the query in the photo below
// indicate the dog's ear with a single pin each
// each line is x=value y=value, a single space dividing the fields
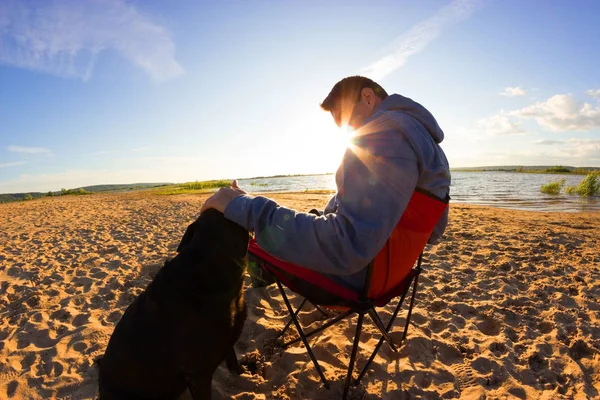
x=187 y=237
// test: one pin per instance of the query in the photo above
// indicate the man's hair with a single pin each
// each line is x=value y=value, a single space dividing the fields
x=349 y=88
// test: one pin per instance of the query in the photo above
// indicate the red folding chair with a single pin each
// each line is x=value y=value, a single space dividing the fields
x=389 y=275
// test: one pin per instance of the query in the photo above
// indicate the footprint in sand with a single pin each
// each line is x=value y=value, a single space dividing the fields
x=61 y=315
x=22 y=343
x=98 y=274
x=45 y=367
x=581 y=349
x=537 y=363
x=490 y=327
x=465 y=377
x=80 y=346
x=546 y=327
x=114 y=317
x=28 y=361
x=11 y=388
x=438 y=325
x=81 y=319
x=498 y=348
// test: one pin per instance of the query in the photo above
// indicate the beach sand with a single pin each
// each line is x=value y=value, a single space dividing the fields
x=508 y=305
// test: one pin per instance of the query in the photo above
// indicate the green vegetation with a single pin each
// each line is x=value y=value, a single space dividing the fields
x=589 y=186
x=193 y=187
x=123 y=187
x=553 y=187
x=73 y=192
x=6 y=198
x=206 y=184
x=559 y=169
x=319 y=191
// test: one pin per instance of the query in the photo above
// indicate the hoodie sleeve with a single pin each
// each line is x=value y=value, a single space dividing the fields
x=331 y=205
x=376 y=180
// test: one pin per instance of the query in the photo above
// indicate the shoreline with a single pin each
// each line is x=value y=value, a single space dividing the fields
x=550 y=203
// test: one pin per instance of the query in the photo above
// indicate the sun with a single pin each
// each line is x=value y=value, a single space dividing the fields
x=343 y=138
x=347 y=133
x=328 y=148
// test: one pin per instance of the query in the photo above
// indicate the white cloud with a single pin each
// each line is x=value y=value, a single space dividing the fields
x=513 y=91
x=547 y=142
x=562 y=113
x=29 y=150
x=594 y=93
x=65 y=37
x=571 y=151
x=12 y=164
x=500 y=124
x=584 y=148
x=419 y=36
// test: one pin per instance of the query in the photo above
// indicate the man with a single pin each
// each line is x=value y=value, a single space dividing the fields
x=395 y=150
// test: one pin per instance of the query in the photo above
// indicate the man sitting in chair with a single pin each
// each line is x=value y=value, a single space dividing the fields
x=394 y=151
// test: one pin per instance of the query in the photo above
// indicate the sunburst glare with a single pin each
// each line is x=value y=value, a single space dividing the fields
x=346 y=135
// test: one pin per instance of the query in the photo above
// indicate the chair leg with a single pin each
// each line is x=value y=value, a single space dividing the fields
x=321 y=310
x=321 y=328
x=388 y=328
x=353 y=355
x=301 y=333
x=384 y=332
x=412 y=302
x=285 y=328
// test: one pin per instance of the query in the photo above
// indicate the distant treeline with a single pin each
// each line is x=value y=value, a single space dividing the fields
x=193 y=187
x=8 y=197
x=286 y=176
x=538 y=169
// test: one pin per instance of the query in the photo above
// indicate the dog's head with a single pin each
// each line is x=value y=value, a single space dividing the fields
x=216 y=234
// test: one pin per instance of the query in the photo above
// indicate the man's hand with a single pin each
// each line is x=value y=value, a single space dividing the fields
x=221 y=199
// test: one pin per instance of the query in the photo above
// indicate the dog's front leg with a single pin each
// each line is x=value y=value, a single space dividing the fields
x=232 y=362
x=200 y=388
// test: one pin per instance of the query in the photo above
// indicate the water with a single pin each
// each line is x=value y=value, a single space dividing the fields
x=498 y=189
x=518 y=191
x=289 y=183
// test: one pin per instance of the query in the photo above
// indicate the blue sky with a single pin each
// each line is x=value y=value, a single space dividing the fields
x=119 y=91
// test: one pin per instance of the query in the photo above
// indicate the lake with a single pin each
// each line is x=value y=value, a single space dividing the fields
x=498 y=189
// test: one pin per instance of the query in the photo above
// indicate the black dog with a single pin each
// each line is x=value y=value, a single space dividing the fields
x=176 y=333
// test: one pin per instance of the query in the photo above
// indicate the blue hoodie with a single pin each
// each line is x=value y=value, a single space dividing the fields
x=395 y=151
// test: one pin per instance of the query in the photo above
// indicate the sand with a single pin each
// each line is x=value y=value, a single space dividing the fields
x=508 y=307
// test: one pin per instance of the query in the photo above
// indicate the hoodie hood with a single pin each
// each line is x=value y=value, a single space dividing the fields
x=396 y=102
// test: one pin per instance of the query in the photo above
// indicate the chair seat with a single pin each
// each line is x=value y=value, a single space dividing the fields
x=316 y=287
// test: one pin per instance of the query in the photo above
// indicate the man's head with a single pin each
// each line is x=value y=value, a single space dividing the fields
x=352 y=100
